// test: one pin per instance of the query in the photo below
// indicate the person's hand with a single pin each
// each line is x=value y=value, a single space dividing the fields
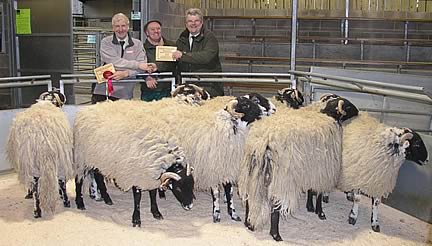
x=177 y=54
x=151 y=82
x=118 y=75
x=152 y=67
x=148 y=67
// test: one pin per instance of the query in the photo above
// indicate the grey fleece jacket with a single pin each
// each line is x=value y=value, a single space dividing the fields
x=110 y=52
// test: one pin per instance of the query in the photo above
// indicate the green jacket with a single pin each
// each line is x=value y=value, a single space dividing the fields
x=204 y=57
x=150 y=50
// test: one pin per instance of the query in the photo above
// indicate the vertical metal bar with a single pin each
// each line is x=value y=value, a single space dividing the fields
x=293 y=42
x=97 y=47
x=362 y=50
x=61 y=86
x=346 y=20
x=384 y=106
x=172 y=83
x=406 y=30
x=408 y=51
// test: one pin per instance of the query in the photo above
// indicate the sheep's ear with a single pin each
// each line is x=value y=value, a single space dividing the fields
x=205 y=95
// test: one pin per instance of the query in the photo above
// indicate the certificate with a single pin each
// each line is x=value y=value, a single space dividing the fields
x=164 y=53
x=99 y=72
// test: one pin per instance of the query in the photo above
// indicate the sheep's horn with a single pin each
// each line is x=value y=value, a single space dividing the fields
x=176 y=91
x=340 y=107
x=406 y=136
x=169 y=175
x=43 y=95
x=230 y=109
x=189 y=169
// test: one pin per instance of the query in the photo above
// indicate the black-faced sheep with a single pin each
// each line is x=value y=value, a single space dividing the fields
x=372 y=156
x=138 y=159
x=39 y=148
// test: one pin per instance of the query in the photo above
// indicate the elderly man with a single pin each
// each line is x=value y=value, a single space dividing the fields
x=127 y=56
x=198 y=50
x=151 y=89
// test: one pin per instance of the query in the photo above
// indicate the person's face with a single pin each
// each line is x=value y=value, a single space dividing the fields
x=121 y=28
x=193 y=24
x=154 y=32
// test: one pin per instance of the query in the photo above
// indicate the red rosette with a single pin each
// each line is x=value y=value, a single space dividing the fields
x=106 y=76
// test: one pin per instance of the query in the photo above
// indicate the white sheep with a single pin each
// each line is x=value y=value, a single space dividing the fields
x=287 y=154
x=39 y=147
x=372 y=156
x=131 y=153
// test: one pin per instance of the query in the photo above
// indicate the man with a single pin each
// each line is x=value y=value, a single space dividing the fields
x=151 y=89
x=198 y=50
x=127 y=56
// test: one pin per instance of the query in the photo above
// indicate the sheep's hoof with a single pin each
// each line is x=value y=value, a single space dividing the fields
x=376 y=228
x=352 y=221
x=136 y=223
x=322 y=216
x=80 y=203
x=216 y=218
x=107 y=200
x=37 y=213
x=276 y=237
x=66 y=204
x=349 y=196
x=236 y=218
x=249 y=226
x=310 y=208
x=325 y=199
x=157 y=215
x=29 y=196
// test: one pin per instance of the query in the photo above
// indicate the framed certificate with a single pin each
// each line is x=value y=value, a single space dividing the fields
x=164 y=53
x=99 y=71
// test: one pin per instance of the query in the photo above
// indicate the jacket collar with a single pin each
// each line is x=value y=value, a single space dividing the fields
x=185 y=35
x=130 y=42
x=147 y=43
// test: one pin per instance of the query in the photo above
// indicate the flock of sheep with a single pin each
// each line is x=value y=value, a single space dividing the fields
x=187 y=143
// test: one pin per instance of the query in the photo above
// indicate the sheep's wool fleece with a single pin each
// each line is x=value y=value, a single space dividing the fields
x=287 y=154
x=369 y=160
x=123 y=146
x=40 y=145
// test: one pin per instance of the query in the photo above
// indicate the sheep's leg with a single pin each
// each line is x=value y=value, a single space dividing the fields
x=79 y=201
x=102 y=188
x=153 y=205
x=354 y=211
x=63 y=194
x=247 y=222
x=274 y=226
x=37 y=213
x=228 y=188
x=93 y=188
x=216 y=209
x=319 y=210
x=136 y=216
x=29 y=194
x=161 y=194
x=374 y=216
x=309 y=202
x=325 y=197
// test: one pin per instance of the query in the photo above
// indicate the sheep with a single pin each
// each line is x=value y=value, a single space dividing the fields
x=39 y=147
x=188 y=94
x=371 y=158
x=138 y=159
x=277 y=165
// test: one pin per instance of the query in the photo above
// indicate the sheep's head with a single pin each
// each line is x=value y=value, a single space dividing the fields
x=180 y=180
x=54 y=96
x=416 y=150
x=339 y=108
x=267 y=107
x=191 y=94
x=292 y=97
x=244 y=109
